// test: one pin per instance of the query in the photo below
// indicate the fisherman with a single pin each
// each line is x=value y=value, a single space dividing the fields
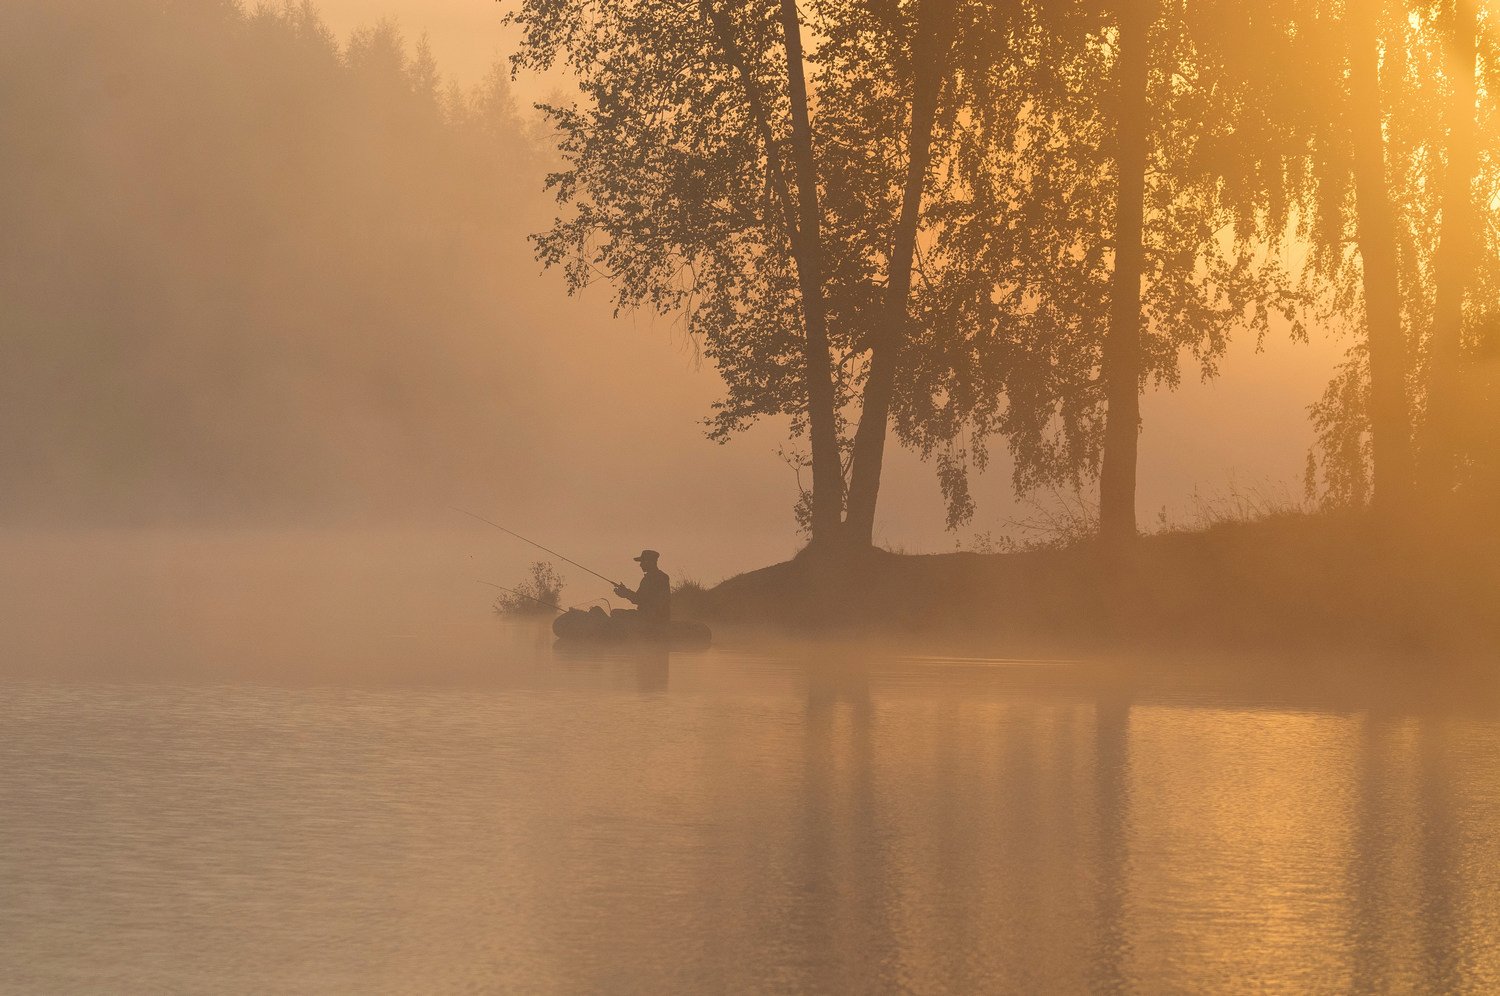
x=653 y=599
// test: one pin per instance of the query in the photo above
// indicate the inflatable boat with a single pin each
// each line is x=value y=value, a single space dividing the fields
x=598 y=626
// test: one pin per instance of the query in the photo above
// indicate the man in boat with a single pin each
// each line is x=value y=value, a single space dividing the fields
x=653 y=599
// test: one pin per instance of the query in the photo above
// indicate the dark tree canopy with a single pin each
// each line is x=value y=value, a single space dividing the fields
x=998 y=142
x=1024 y=240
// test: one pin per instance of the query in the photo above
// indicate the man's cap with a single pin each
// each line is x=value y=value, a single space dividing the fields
x=646 y=555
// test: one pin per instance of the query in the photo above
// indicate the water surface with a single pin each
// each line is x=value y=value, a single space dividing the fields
x=800 y=820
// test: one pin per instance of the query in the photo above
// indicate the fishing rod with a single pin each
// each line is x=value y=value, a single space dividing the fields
x=534 y=543
x=520 y=594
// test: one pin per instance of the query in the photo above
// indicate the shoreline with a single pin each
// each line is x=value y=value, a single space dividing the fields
x=1346 y=583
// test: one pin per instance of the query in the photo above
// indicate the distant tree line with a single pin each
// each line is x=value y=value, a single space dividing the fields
x=244 y=265
x=967 y=221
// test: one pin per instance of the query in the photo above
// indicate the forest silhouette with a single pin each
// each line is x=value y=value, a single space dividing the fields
x=249 y=270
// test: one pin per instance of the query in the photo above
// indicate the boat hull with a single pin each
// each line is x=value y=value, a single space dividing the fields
x=598 y=627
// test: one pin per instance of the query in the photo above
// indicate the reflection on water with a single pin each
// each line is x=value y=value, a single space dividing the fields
x=734 y=822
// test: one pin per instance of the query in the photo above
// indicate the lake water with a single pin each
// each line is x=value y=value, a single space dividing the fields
x=806 y=820
x=268 y=762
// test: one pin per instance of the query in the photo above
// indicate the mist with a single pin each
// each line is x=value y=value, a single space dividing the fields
x=263 y=274
x=281 y=709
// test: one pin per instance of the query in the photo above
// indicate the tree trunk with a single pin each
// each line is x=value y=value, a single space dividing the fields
x=1122 y=344
x=804 y=232
x=827 y=469
x=930 y=58
x=1454 y=264
x=1390 y=420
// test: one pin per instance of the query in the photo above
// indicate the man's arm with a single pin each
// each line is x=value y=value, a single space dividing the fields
x=626 y=593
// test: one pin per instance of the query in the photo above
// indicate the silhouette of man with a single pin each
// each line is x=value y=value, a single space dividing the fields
x=653 y=599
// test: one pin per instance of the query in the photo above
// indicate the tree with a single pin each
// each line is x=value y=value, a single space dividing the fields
x=1414 y=192
x=1454 y=266
x=1112 y=225
x=771 y=194
x=925 y=35
x=1121 y=359
x=690 y=175
x=1375 y=228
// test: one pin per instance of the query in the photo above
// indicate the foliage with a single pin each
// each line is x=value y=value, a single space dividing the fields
x=676 y=183
x=1023 y=243
x=1416 y=84
x=666 y=187
x=1341 y=422
x=671 y=183
x=802 y=508
x=539 y=593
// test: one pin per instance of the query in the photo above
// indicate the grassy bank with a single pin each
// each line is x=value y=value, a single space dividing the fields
x=1346 y=582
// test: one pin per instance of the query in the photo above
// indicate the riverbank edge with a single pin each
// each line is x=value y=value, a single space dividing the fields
x=1348 y=582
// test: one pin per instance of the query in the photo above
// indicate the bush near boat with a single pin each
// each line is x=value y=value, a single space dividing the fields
x=538 y=594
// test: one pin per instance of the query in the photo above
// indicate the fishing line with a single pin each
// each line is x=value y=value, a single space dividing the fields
x=539 y=546
x=519 y=594
x=554 y=608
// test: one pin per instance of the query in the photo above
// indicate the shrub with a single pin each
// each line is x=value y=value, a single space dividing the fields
x=537 y=594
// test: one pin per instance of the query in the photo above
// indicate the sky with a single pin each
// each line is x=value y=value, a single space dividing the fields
x=1246 y=432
